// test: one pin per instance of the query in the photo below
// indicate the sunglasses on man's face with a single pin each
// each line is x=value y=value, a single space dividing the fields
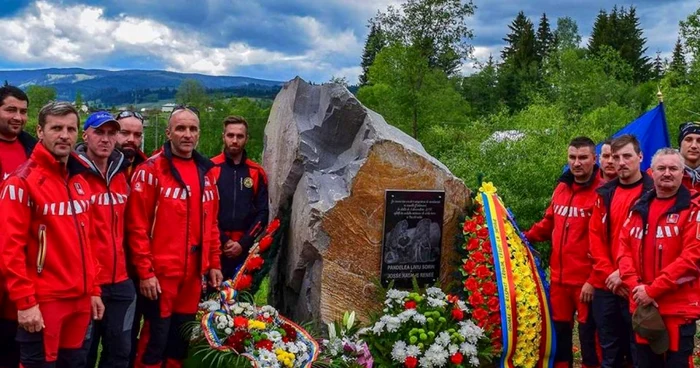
x=185 y=107
x=128 y=114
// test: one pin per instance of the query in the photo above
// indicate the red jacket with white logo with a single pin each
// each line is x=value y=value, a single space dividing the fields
x=108 y=202
x=46 y=253
x=565 y=223
x=675 y=285
x=158 y=212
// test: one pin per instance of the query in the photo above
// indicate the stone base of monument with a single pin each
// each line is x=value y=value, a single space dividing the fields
x=330 y=162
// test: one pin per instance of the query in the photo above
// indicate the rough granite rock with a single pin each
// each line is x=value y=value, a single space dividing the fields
x=331 y=159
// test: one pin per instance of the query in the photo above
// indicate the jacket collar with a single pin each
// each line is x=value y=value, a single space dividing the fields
x=608 y=188
x=46 y=159
x=568 y=177
x=115 y=163
x=27 y=141
x=229 y=159
x=203 y=163
x=682 y=202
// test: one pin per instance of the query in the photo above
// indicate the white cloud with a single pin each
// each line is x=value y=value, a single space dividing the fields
x=79 y=35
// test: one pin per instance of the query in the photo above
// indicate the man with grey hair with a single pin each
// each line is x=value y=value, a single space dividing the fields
x=46 y=255
x=174 y=239
x=658 y=254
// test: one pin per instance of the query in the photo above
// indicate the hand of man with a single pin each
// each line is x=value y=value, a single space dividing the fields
x=31 y=319
x=232 y=249
x=639 y=295
x=622 y=291
x=150 y=288
x=98 y=308
x=587 y=293
x=215 y=278
x=613 y=280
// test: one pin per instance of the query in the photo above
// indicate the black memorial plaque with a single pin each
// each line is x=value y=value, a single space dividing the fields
x=412 y=241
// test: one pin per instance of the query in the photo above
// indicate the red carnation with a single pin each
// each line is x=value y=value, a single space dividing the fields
x=410 y=304
x=457 y=314
x=469 y=226
x=479 y=219
x=476 y=299
x=469 y=266
x=489 y=288
x=237 y=340
x=480 y=314
x=478 y=257
x=483 y=232
x=240 y=322
x=473 y=244
x=494 y=305
x=471 y=284
x=265 y=243
x=482 y=272
x=411 y=362
x=264 y=344
x=244 y=282
x=255 y=263
x=495 y=319
x=486 y=246
x=290 y=334
x=272 y=227
x=497 y=332
x=457 y=358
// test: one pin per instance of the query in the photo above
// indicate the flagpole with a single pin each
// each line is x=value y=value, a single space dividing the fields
x=660 y=95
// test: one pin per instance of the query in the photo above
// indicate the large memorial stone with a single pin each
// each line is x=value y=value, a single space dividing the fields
x=330 y=160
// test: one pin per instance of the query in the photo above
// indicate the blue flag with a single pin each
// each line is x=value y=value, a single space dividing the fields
x=651 y=131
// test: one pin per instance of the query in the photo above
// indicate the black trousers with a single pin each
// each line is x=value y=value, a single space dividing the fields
x=672 y=359
x=614 y=323
x=136 y=326
x=114 y=330
x=9 y=350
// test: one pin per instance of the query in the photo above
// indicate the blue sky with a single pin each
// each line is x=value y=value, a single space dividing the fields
x=315 y=39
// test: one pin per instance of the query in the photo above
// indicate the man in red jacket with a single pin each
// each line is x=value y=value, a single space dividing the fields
x=46 y=254
x=658 y=258
x=689 y=142
x=615 y=198
x=608 y=171
x=174 y=238
x=565 y=223
x=106 y=179
x=16 y=146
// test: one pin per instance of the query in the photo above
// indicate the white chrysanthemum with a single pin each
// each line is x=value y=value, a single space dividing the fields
x=209 y=305
x=274 y=336
x=468 y=349
x=474 y=361
x=267 y=358
x=412 y=350
x=406 y=315
x=378 y=327
x=292 y=348
x=436 y=303
x=462 y=306
x=392 y=323
x=471 y=331
x=420 y=319
x=398 y=352
x=436 y=355
x=228 y=331
x=443 y=339
x=435 y=292
x=220 y=326
x=302 y=347
x=453 y=349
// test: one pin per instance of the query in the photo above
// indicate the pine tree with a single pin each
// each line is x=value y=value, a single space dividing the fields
x=600 y=34
x=678 y=64
x=375 y=43
x=520 y=49
x=544 y=39
x=658 y=69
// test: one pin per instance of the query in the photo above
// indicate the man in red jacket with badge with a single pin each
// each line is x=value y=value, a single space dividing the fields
x=106 y=178
x=615 y=198
x=46 y=255
x=242 y=186
x=565 y=223
x=174 y=238
x=658 y=257
x=16 y=146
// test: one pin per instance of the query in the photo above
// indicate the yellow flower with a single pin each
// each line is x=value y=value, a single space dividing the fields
x=487 y=188
x=256 y=325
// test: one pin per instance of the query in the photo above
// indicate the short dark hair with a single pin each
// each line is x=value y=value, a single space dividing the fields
x=57 y=108
x=623 y=140
x=608 y=142
x=580 y=142
x=235 y=119
x=12 y=91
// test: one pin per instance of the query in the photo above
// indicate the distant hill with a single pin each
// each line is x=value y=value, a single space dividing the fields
x=132 y=86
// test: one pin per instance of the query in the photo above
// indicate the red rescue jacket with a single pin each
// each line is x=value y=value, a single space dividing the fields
x=565 y=223
x=108 y=202
x=46 y=253
x=675 y=285
x=158 y=212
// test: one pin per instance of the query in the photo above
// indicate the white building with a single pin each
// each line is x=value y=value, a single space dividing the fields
x=168 y=107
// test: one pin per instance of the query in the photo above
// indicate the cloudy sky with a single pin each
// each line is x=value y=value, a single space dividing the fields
x=270 y=39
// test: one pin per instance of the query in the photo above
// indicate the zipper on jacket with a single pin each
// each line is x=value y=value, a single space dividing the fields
x=187 y=230
x=41 y=256
x=81 y=234
x=235 y=179
x=660 y=261
x=563 y=238
x=114 y=239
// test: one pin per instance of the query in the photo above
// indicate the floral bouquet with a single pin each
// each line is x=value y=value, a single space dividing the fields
x=343 y=347
x=425 y=330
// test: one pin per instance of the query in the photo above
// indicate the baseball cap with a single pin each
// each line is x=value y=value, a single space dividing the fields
x=647 y=323
x=97 y=119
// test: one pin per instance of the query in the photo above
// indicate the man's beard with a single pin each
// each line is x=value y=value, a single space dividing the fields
x=129 y=150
